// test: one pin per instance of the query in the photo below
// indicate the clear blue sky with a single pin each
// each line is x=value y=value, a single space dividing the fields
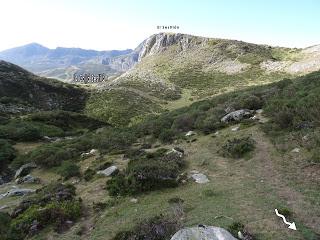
x=120 y=24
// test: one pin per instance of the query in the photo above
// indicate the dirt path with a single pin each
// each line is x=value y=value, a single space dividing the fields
x=267 y=168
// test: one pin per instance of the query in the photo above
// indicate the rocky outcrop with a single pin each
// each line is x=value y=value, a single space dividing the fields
x=237 y=115
x=24 y=170
x=203 y=233
x=159 y=42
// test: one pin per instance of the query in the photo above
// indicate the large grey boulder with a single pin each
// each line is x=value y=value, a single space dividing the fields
x=200 y=178
x=108 y=171
x=203 y=233
x=237 y=115
x=24 y=170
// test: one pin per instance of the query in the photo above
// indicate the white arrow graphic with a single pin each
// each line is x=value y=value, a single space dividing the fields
x=291 y=225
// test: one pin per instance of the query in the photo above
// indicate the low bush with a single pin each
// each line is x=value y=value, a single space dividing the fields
x=156 y=228
x=237 y=147
x=69 y=169
x=114 y=139
x=51 y=205
x=5 y=221
x=53 y=154
x=167 y=135
x=88 y=174
x=150 y=171
x=7 y=154
x=22 y=130
x=66 y=120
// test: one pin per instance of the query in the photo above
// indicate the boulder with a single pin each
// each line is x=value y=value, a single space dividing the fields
x=203 y=233
x=176 y=151
x=92 y=152
x=200 y=178
x=190 y=133
x=24 y=170
x=133 y=200
x=18 y=192
x=237 y=115
x=296 y=150
x=108 y=171
x=235 y=129
x=28 y=179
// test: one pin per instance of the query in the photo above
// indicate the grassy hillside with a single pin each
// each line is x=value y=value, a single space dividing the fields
x=252 y=170
x=178 y=69
x=21 y=92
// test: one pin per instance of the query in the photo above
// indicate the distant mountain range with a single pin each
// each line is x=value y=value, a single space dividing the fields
x=62 y=63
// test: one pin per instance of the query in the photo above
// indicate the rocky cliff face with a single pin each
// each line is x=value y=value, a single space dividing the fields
x=159 y=42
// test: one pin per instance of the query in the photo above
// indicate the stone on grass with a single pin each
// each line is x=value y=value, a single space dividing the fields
x=296 y=150
x=190 y=133
x=133 y=200
x=200 y=178
x=203 y=233
x=235 y=129
x=108 y=171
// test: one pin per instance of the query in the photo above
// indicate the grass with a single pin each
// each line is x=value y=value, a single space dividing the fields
x=238 y=194
x=120 y=107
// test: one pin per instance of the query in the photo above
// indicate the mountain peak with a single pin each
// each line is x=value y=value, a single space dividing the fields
x=159 y=42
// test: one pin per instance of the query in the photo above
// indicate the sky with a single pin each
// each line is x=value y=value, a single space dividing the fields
x=123 y=24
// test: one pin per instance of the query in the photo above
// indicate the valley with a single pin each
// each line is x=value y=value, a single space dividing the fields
x=197 y=131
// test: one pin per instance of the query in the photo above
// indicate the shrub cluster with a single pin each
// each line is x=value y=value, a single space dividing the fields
x=66 y=120
x=69 y=169
x=7 y=154
x=156 y=228
x=53 y=205
x=237 y=147
x=147 y=172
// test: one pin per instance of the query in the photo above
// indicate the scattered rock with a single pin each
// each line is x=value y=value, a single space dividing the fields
x=24 y=170
x=203 y=233
x=176 y=151
x=133 y=200
x=235 y=129
x=305 y=138
x=28 y=179
x=216 y=133
x=259 y=111
x=190 y=133
x=296 y=150
x=240 y=235
x=108 y=171
x=200 y=178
